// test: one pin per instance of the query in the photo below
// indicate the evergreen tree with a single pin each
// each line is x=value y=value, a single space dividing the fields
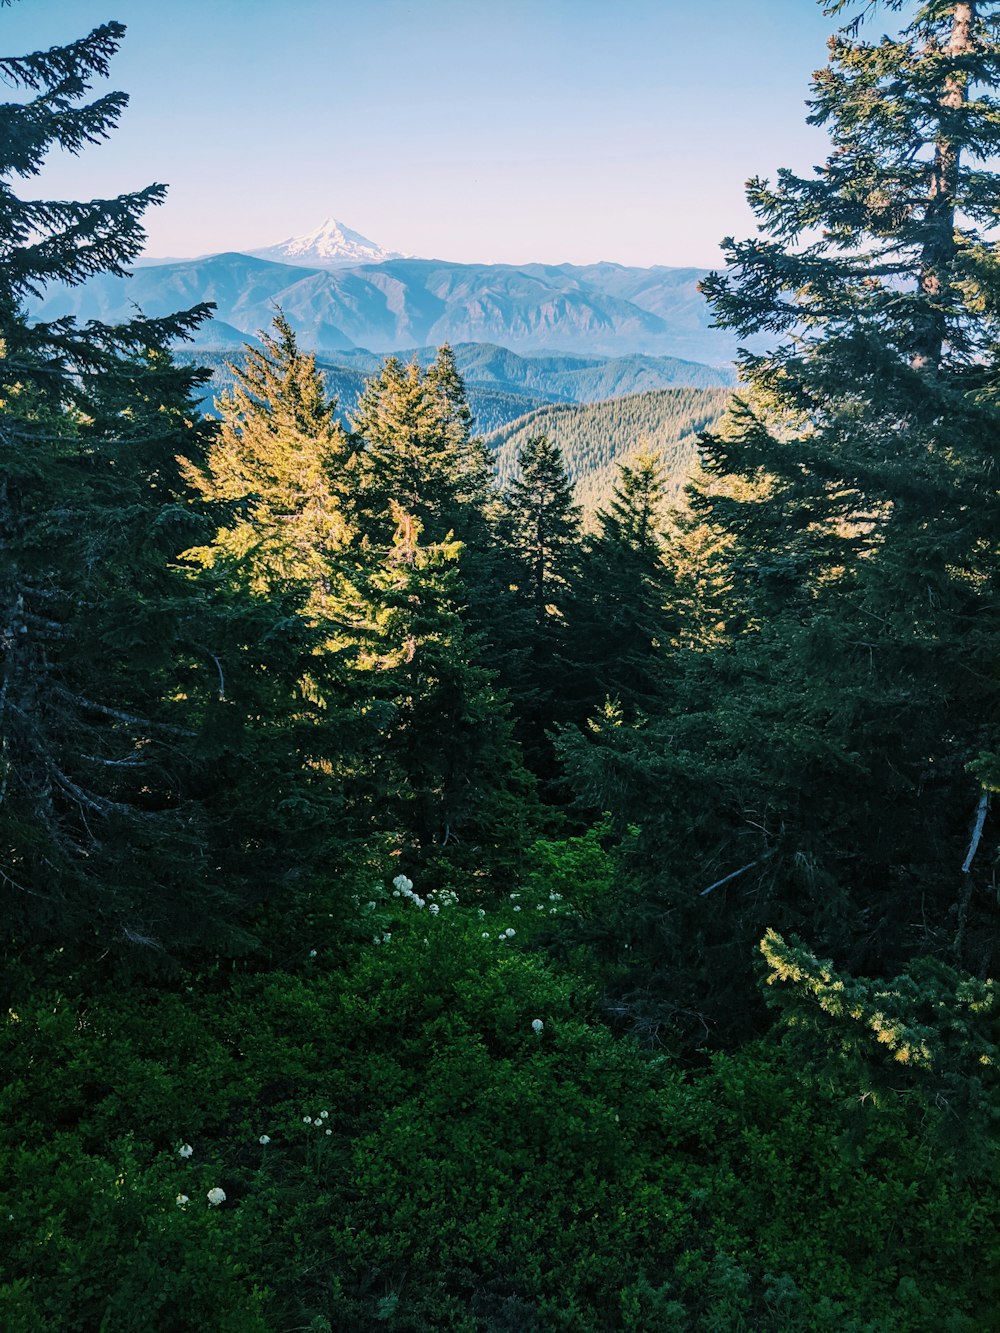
x=624 y=617
x=542 y=532
x=419 y=452
x=430 y=572
x=451 y=777
x=287 y=572
x=818 y=771
x=98 y=735
x=280 y=467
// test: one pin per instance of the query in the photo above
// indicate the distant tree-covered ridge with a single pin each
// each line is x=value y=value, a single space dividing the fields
x=595 y=437
x=501 y=385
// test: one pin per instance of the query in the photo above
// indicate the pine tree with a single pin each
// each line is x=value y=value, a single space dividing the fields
x=98 y=738
x=817 y=771
x=623 y=617
x=419 y=451
x=542 y=533
x=429 y=570
x=287 y=570
x=280 y=466
x=452 y=779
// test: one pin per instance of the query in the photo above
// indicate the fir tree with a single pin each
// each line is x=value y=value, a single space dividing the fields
x=430 y=573
x=818 y=771
x=286 y=571
x=624 y=617
x=419 y=451
x=280 y=468
x=542 y=531
x=97 y=737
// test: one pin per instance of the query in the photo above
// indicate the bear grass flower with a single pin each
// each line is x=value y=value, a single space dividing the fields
x=185 y=1150
x=537 y=1026
x=216 y=1196
x=182 y=1199
x=264 y=1140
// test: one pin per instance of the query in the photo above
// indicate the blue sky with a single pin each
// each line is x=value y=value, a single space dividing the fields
x=472 y=130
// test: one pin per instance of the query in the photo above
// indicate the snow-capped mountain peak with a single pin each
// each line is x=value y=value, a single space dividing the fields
x=328 y=245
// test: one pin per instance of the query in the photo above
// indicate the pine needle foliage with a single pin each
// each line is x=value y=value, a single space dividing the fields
x=818 y=768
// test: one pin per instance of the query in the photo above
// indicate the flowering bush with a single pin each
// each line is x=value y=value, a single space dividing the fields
x=441 y=1133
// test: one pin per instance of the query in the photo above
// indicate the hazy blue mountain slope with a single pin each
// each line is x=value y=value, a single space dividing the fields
x=596 y=310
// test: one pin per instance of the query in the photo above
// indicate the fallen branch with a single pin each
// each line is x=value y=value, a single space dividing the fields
x=977 y=830
x=726 y=878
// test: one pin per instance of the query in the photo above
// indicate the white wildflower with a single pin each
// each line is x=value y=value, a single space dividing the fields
x=537 y=1025
x=510 y=932
x=264 y=1140
x=185 y=1150
x=486 y=934
x=517 y=909
x=182 y=1199
x=307 y=1119
x=371 y=907
x=216 y=1196
x=434 y=909
x=324 y=1115
x=555 y=897
x=403 y=884
x=329 y=1131
x=312 y=953
x=481 y=911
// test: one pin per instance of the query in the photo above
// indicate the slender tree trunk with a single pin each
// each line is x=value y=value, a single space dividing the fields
x=938 y=253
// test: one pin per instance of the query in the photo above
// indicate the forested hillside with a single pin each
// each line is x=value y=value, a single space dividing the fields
x=424 y=910
x=592 y=438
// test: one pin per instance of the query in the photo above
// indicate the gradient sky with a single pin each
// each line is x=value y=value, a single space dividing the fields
x=470 y=130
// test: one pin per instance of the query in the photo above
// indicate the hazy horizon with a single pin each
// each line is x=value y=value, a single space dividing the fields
x=550 y=133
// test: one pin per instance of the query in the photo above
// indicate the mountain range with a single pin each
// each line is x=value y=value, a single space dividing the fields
x=502 y=385
x=600 y=309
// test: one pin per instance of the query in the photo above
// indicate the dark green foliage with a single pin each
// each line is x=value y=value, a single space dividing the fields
x=434 y=1158
x=624 y=615
x=100 y=639
x=541 y=530
x=834 y=692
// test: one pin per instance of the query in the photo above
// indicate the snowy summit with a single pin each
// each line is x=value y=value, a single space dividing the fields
x=330 y=244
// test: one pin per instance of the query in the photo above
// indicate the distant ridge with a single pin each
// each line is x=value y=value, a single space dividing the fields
x=502 y=386
x=593 y=310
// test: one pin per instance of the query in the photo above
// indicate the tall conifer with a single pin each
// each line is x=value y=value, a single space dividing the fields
x=98 y=635
x=822 y=767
